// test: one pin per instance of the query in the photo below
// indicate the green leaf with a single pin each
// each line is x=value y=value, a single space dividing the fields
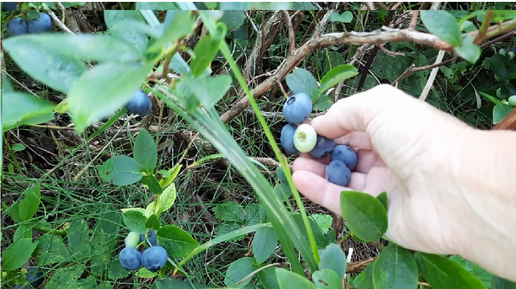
x=327 y=279
x=176 y=241
x=364 y=280
x=384 y=200
x=443 y=25
x=333 y=258
x=182 y=24
x=252 y=215
x=104 y=240
x=497 y=64
x=336 y=75
x=395 y=268
x=65 y=276
x=479 y=272
x=145 y=151
x=122 y=170
x=268 y=279
x=206 y=50
x=229 y=211
x=78 y=239
x=30 y=203
x=131 y=36
x=153 y=222
x=323 y=103
x=6 y=84
x=323 y=221
x=264 y=243
x=440 y=272
x=51 y=250
x=153 y=184
x=225 y=228
x=500 y=111
x=283 y=191
x=502 y=15
x=345 y=17
x=365 y=215
x=238 y=270
x=207 y=90
x=301 y=80
x=19 y=108
x=173 y=283
x=468 y=50
x=156 y=6
x=320 y=239
x=18 y=147
x=233 y=18
x=44 y=64
x=117 y=271
x=135 y=220
x=88 y=283
x=23 y=232
x=288 y=280
x=96 y=47
x=179 y=65
x=500 y=283
x=167 y=198
x=109 y=84
x=17 y=254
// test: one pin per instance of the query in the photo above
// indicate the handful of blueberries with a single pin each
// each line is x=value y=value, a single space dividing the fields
x=20 y=26
x=297 y=136
x=153 y=258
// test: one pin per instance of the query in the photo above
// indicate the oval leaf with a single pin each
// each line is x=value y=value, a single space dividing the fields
x=500 y=283
x=167 y=198
x=443 y=24
x=135 y=220
x=17 y=254
x=327 y=279
x=441 y=272
x=30 y=203
x=153 y=184
x=264 y=243
x=301 y=80
x=468 y=50
x=153 y=222
x=500 y=111
x=336 y=75
x=122 y=170
x=126 y=33
x=333 y=258
x=44 y=64
x=238 y=270
x=395 y=268
x=364 y=280
x=288 y=280
x=481 y=273
x=176 y=241
x=181 y=25
x=19 y=108
x=365 y=215
x=145 y=151
x=206 y=50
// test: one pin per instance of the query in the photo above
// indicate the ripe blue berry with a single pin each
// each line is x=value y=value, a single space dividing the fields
x=140 y=104
x=130 y=258
x=17 y=26
x=287 y=139
x=297 y=108
x=41 y=25
x=346 y=154
x=35 y=277
x=151 y=237
x=154 y=258
x=323 y=147
x=338 y=173
x=9 y=6
x=305 y=138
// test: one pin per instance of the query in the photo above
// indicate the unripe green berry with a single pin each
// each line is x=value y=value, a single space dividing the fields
x=305 y=138
x=499 y=92
x=511 y=55
x=502 y=52
x=512 y=101
x=132 y=239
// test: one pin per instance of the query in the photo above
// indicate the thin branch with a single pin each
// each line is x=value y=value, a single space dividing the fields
x=433 y=74
x=483 y=29
x=322 y=24
x=388 y=52
x=370 y=6
x=58 y=22
x=291 y=36
x=252 y=23
x=396 y=6
x=381 y=5
x=413 y=20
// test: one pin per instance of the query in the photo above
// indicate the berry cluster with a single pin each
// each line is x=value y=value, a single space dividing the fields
x=297 y=136
x=153 y=258
x=20 y=26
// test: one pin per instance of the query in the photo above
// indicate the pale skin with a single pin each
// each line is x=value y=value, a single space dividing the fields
x=451 y=187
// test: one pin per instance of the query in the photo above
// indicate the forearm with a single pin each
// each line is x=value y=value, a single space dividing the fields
x=488 y=182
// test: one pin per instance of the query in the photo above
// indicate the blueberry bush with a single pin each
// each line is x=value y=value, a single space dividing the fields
x=136 y=154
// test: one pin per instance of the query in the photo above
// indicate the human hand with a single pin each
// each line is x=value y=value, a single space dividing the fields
x=407 y=148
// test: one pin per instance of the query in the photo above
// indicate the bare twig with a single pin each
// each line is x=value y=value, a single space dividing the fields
x=370 y=6
x=396 y=6
x=388 y=52
x=413 y=20
x=435 y=5
x=433 y=74
x=322 y=24
x=58 y=22
x=291 y=36
x=381 y=5
x=252 y=23
x=282 y=89
x=483 y=29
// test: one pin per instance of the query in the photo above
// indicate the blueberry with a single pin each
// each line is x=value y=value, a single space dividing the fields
x=17 y=26
x=151 y=237
x=130 y=258
x=35 y=276
x=9 y=6
x=41 y=25
x=346 y=154
x=287 y=138
x=297 y=108
x=338 y=173
x=132 y=239
x=140 y=104
x=323 y=147
x=154 y=258
x=305 y=138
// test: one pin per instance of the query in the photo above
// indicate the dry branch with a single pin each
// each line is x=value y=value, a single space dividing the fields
x=291 y=36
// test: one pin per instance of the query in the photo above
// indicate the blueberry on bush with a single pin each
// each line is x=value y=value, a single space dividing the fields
x=132 y=239
x=338 y=173
x=17 y=26
x=154 y=258
x=305 y=138
x=41 y=25
x=297 y=108
x=287 y=138
x=323 y=147
x=151 y=237
x=345 y=154
x=130 y=258
x=35 y=276
x=140 y=104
